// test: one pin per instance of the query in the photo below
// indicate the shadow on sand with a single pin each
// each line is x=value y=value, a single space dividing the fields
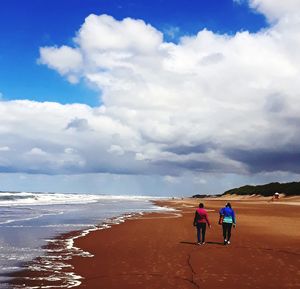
x=194 y=243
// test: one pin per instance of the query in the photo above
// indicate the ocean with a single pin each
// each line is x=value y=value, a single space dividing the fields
x=30 y=221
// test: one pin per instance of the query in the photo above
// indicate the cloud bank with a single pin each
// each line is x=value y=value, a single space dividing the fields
x=209 y=104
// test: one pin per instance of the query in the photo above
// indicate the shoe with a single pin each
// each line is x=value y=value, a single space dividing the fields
x=225 y=242
x=198 y=243
x=203 y=243
x=228 y=242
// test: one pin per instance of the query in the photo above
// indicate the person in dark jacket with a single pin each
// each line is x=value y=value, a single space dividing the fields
x=228 y=216
x=200 y=221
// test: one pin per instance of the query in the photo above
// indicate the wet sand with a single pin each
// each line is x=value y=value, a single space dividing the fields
x=157 y=251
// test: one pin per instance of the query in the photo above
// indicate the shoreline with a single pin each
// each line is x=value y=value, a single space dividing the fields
x=156 y=250
x=41 y=270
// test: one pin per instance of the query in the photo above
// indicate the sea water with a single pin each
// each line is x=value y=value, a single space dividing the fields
x=29 y=221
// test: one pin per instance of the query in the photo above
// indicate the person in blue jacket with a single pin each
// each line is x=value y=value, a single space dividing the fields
x=228 y=216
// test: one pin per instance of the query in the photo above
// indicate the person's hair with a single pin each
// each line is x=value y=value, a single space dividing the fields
x=201 y=205
x=228 y=205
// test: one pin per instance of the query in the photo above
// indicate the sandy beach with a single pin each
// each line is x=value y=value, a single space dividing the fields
x=158 y=250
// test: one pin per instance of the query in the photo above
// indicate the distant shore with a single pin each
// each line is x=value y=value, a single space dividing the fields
x=157 y=250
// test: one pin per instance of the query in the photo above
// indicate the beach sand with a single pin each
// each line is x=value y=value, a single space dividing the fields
x=158 y=250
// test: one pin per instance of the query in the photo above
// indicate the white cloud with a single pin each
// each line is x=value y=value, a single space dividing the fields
x=105 y=34
x=274 y=9
x=36 y=152
x=211 y=103
x=69 y=151
x=66 y=60
x=4 y=149
x=171 y=179
x=41 y=138
x=115 y=149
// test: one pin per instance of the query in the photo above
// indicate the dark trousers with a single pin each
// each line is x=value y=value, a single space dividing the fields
x=201 y=229
x=227 y=230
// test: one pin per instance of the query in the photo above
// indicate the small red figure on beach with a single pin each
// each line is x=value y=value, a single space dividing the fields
x=275 y=197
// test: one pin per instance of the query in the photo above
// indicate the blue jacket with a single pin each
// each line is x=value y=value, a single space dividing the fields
x=229 y=215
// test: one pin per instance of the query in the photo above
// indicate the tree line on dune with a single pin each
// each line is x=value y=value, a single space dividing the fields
x=289 y=189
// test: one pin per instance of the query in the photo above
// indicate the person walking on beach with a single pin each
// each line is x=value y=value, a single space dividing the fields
x=227 y=216
x=200 y=221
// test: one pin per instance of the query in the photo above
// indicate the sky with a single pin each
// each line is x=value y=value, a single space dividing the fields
x=148 y=97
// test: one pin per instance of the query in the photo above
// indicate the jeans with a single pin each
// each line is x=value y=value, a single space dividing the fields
x=227 y=230
x=201 y=229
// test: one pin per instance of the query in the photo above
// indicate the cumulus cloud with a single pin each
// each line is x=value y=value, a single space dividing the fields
x=36 y=152
x=66 y=60
x=210 y=103
x=276 y=10
x=34 y=139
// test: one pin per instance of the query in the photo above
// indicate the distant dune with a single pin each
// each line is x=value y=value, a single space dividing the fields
x=267 y=190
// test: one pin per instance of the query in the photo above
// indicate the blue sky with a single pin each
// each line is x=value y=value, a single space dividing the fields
x=27 y=25
x=148 y=97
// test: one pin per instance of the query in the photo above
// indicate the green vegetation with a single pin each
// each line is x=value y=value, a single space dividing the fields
x=289 y=189
x=198 y=196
